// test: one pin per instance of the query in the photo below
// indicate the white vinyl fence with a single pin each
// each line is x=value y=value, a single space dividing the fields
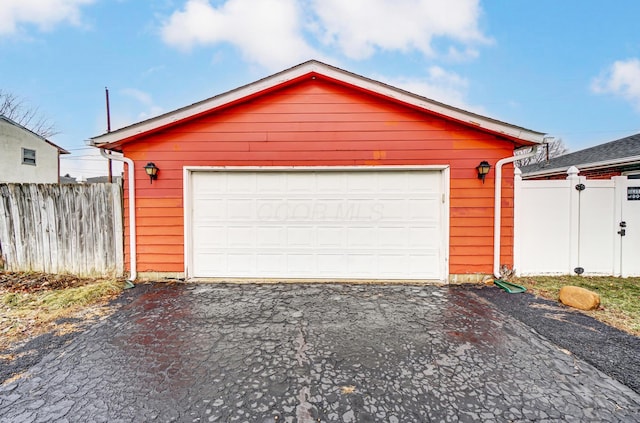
x=53 y=228
x=577 y=226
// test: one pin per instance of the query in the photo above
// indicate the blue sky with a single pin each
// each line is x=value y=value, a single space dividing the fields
x=568 y=68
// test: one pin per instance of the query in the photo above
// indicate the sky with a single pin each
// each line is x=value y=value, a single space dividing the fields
x=569 y=68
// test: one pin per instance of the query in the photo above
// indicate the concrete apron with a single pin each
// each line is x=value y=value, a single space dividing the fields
x=309 y=353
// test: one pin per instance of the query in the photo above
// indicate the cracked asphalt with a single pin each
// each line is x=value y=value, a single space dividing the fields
x=312 y=353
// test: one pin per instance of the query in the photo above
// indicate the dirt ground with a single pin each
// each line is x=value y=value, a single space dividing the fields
x=36 y=282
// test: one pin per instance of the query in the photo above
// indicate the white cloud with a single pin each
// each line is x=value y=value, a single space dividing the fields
x=621 y=79
x=150 y=108
x=279 y=33
x=44 y=14
x=440 y=85
x=267 y=32
x=361 y=27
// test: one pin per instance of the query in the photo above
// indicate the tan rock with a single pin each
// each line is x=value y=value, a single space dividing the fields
x=579 y=298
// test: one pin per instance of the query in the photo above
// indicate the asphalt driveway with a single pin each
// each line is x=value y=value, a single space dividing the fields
x=309 y=353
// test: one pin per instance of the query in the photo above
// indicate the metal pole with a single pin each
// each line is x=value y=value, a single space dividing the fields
x=110 y=177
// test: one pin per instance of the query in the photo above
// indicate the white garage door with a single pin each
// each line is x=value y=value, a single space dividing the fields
x=317 y=224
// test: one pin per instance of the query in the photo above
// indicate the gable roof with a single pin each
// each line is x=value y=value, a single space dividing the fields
x=625 y=151
x=16 y=124
x=314 y=68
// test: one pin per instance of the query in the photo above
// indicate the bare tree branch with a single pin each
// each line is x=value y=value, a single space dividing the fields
x=555 y=147
x=16 y=109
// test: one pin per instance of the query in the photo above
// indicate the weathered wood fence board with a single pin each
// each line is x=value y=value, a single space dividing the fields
x=54 y=228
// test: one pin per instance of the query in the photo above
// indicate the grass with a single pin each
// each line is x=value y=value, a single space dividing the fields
x=27 y=314
x=619 y=297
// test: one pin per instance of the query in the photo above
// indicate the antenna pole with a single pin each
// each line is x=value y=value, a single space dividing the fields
x=106 y=92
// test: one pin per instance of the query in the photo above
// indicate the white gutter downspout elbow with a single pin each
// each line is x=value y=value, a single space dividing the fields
x=133 y=273
x=497 y=214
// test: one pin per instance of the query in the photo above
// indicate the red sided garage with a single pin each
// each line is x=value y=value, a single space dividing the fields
x=318 y=173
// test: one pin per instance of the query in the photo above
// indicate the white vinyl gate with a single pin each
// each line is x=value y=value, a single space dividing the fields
x=577 y=226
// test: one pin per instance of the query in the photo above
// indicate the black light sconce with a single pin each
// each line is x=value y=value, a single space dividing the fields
x=152 y=171
x=483 y=169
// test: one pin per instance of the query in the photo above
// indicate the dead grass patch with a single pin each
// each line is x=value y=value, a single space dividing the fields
x=30 y=306
x=620 y=297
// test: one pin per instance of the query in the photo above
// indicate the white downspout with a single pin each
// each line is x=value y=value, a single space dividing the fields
x=133 y=273
x=497 y=214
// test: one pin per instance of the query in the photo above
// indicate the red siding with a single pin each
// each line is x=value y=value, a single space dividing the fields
x=318 y=123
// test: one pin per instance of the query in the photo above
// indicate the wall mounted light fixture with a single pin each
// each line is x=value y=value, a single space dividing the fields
x=152 y=171
x=483 y=169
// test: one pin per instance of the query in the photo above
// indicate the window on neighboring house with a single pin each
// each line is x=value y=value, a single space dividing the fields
x=28 y=156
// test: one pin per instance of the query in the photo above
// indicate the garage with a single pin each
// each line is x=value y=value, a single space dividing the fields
x=317 y=173
x=296 y=223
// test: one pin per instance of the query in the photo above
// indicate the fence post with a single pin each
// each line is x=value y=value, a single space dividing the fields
x=574 y=219
x=620 y=187
x=517 y=217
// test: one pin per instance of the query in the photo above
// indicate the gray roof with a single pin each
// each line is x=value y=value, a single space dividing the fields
x=614 y=153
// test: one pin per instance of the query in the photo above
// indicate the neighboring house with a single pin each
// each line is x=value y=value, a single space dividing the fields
x=615 y=158
x=26 y=157
x=318 y=173
x=67 y=179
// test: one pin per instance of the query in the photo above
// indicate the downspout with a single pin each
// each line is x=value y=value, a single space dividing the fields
x=497 y=214
x=133 y=274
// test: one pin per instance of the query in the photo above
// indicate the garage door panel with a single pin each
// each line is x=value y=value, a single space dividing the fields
x=420 y=263
x=238 y=262
x=270 y=236
x=301 y=182
x=270 y=264
x=327 y=224
x=422 y=209
x=422 y=237
x=211 y=262
x=392 y=210
x=361 y=265
x=361 y=237
x=271 y=182
x=328 y=262
x=301 y=264
x=241 y=236
x=241 y=210
x=241 y=183
x=211 y=237
x=332 y=183
x=362 y=183
x=393 y=237
x=210 y=209
x=331 y=237
x=389 y=263
x=301 y=237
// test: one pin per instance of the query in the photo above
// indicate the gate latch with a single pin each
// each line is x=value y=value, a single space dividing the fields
x=622 y=231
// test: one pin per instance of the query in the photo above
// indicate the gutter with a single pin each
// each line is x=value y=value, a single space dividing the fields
x=133 y=273
x=497 y=214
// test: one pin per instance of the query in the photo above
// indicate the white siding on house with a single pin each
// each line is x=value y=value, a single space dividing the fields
x=12 y=141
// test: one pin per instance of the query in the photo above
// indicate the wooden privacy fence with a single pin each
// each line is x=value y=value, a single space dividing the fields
x=52 y=228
